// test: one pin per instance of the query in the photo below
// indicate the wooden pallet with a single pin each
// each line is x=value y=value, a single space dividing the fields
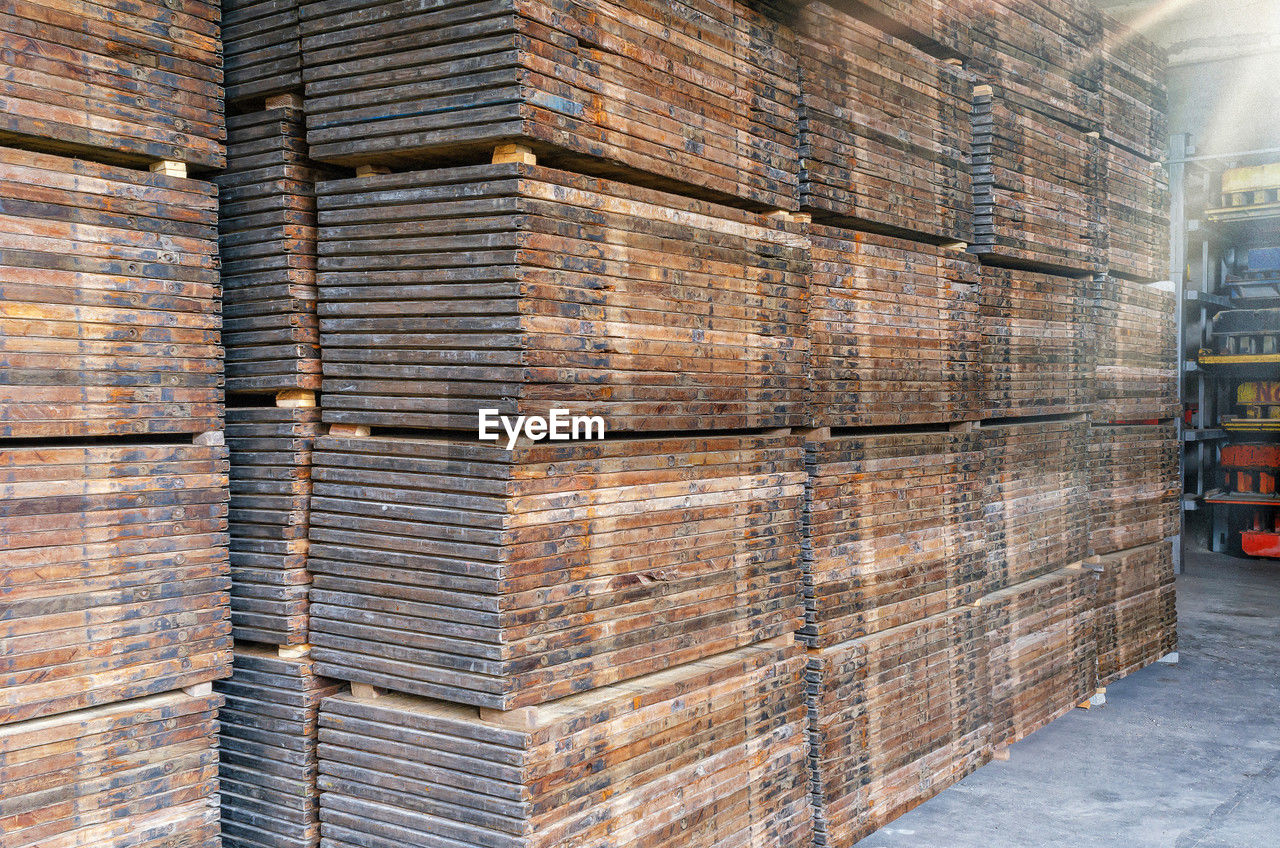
x=135 y=774
x=267 y=740
x=115 y=573
x=267 y=241
x=1035 y=189
x=885 y=137
x=699 y=95
x=1042 y=655
x=131 y=82
x=270 y=499
x=1136 y=612
x=893 y=330
x=938 y=27
x=893 y=530
x=262 y=50
x=1133 y=489
x=1037 y=508
x=706 y=754
x=1135 y=205
x=525 y=289
x=894 y=719
x=109 y=312
x=1137 y=352
x=1135 y=98
x=1037 y=343
x=460 y=570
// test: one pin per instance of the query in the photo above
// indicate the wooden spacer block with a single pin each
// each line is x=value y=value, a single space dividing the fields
x=1001 y=755
x=169 y=168
x=355 y=431
x=213 y=437
x=199 y=690
x=292 y=652
x=371 y=170
x=365 y=691
x=296 y=399
x=289 y=100
x=512 y=152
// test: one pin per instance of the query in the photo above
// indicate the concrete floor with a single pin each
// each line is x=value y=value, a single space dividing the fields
x=1181 y=756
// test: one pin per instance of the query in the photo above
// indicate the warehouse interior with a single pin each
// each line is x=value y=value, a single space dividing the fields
x=662 y=424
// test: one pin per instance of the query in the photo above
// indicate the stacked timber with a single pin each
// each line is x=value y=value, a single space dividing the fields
x=894 y=530
x=1136 y=611
x=129 y=82
x=115 y=573
x=267 y=240
x=267 y=772
x=885 y=139
x=262 y=51
x=270 y=456
x=1035 y=187
x=937 y=27
x=895 y=718
x=502 y=577
x=893 y=331
x=1135 y=205
x=709 y=753
x=1133 y=72
x=524 y=289
x=1137 y=351
x=1036 y=498
x=109 y=306
x=1134 y=488
x=1042 y=655
x=1037 y=343
x=692 y=94
x=138 y=774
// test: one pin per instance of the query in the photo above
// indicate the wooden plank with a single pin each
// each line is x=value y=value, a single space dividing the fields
x=108 y=301
x=460 y=570
x=115 y=580
x=708 y=754
x=136 y=774
x=1137 y=376
x=1134 y=491
x=1136 y=613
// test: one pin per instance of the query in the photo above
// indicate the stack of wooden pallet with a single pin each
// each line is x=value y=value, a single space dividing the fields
x=1136 y=615
x=1137 y=351
x=113 y=472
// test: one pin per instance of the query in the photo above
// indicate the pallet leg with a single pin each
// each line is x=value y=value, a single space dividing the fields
x=169 y=168
x=512 y=152
x=296 y=399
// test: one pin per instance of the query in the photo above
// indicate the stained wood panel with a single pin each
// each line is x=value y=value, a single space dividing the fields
x=525 y=289
x=1042 y=653
x=893 y=330
x=1135 y=203
x=1136 y=610
x=692 y=93
x=108 y=300
x=262 y=50
x=133 y=81
x=501 y=578
x=270 y=502
x=1038 y=343
x=1137 y=352
x=268 y=737
x=115 y=573
x=707 y=754
x=893 y=530
x=1134 y=491
x=137 y=774
x=895 y=718
x=885 y=138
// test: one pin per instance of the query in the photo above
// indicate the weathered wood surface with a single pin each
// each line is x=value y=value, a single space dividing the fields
x=1037 y=508
x=523 y=289
x=895 y=718
x=1135 y=205
x=1042 y=654
x=1137 y=352
x=708 y=754
x=893 y=530
x=136 y=82
x=1035 y=189
x=885 y=136
x=940 y=28
x=1037 y=343
x=268 y=737
x=267 y=240
x=270 y=501
x=115 y=578
x=1136 y=615
x=108 y=300
x=1135 y=97
x=137 y=774
x=697 y=94
x=460 y=570
x=893 y=331
x=1134 y=488
x=262 y=46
